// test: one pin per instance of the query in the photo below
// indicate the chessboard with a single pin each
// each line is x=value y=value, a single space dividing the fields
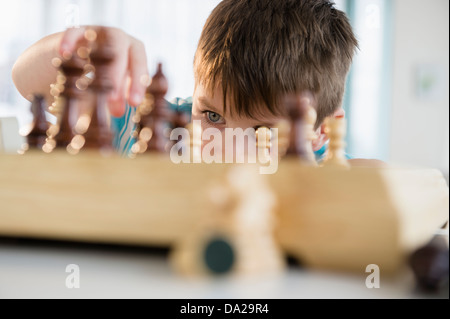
x=68 y=184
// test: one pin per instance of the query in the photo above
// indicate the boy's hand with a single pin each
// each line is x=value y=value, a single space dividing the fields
x=128 y=72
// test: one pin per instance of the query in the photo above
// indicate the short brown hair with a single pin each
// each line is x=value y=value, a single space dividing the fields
x=261 y=50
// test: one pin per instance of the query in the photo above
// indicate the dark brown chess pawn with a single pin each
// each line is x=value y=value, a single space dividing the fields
x=160 y=117
x=297 y=111
x=430 y=265
x=72 y=69
x=99 y=135
x=37 y=135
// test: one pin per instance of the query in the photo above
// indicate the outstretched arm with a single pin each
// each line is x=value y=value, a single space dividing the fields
x=33 y=72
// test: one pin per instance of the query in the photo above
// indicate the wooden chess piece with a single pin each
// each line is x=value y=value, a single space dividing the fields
x=237 y=236
x=98 y=134
x=310 y=135
x=302 y=118
x=156 y=117
x=180 y=120
x=283 y=128
x=37 y=136
x=335 y=129
x=72 y=69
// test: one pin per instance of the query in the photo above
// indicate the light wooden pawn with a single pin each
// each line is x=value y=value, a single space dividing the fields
x=336 y=130
x=264 y=144
x=195 y=137
x=240 y=225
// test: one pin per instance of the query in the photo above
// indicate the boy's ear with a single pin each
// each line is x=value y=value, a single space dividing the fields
x=322 y=138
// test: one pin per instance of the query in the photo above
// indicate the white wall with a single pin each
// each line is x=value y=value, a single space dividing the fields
x=420 y=126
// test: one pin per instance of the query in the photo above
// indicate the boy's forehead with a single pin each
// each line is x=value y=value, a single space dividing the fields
x=210 y=98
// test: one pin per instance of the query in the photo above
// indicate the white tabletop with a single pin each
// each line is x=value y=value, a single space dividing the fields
x=38 y=270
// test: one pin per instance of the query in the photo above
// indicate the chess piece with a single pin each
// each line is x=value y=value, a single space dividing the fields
x=301 y=119
x=296 y=111
x=237 y=237
x=181 y=120
x=158 y=88
x=72 y=69
x=430 y=265
x=37 y=135
x=263 y=143
x=283 y=128
x=335 y=129
x=98 y=134
x=155 y=118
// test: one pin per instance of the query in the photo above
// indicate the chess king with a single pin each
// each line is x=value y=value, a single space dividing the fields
x=250 y=56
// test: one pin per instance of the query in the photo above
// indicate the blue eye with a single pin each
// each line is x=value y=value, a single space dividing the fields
x=214 y=117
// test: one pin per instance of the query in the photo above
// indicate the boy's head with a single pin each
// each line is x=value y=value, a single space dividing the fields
x=252 y=53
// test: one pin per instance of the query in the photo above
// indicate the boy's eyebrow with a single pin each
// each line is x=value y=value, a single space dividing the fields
x=209 y=105
x=263 y=122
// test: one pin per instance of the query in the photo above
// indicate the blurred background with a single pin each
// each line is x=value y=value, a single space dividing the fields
x=397 y=97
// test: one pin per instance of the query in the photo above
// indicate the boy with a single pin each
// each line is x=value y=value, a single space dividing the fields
x=250 y=55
